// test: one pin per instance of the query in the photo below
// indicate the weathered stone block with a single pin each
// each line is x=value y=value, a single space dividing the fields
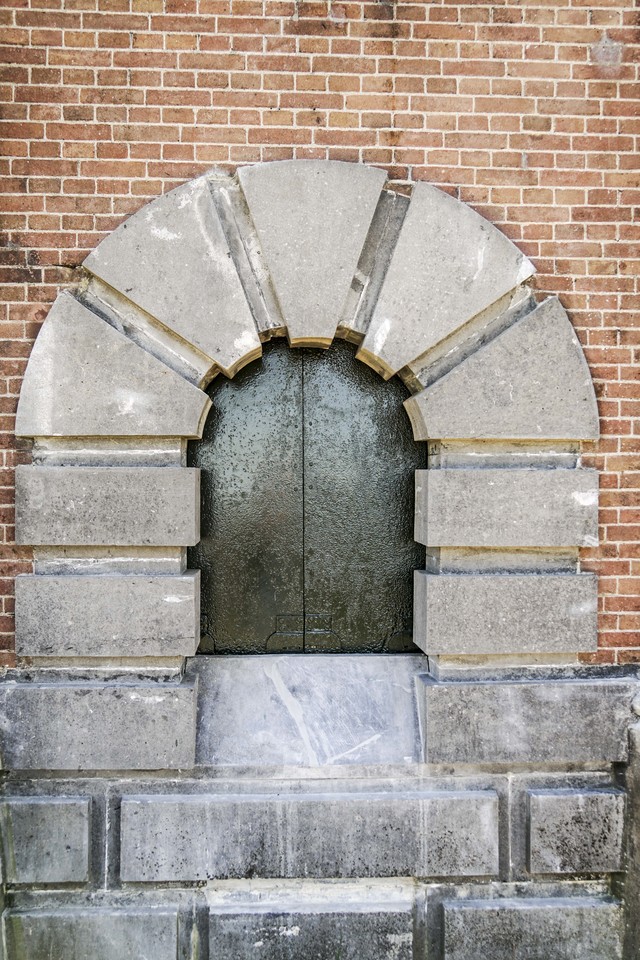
x=579 y=928
x=326 y=933
x=506 y=508
x=172 y=259
x=546 y=721
x=108 y=616
x=488 y=613
x=84 y=379
x=509 y=389
x=111 y=506
x=45 y=839
x=361 y=834
x=312 y=218
x=449 y=264
x=101 y=726
x=98 y=933
x=575 y=831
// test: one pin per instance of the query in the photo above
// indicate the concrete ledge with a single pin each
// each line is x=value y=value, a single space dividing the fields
x=360 y=834
x=96 y=932
x=576 y=831
x=561 y=721
x=45 y=839
x=102 y=726
x=109 y=506
x=506 y=508
x=492 y=613
x=577 y=928
x=108 y=616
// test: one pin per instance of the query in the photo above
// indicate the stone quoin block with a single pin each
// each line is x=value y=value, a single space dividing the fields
x=449 y=264
x=173 y=261
x=400 y=833
x=312 y=218
x=546 y=721
x=111 y=506
x=45 y=839
x=103 y=933
x=84 y=379
x=325 y=933
x=490 y=613
x=577 y=928
x=101 y=726
x=530 y=383
x=506 y=508
x=108 y=616
x=576 y=831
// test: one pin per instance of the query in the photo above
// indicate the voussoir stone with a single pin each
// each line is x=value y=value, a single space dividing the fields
x=108 y=616
x=576 y=928
x=111 y=506
x=84 y=379
x=576 y=831
x=531 y=382
x=45 y=839
x=546 y=721
x=506 y=508
x=493 y=613
x=172 y=260
x=102 y=933
x=449 y=264
x=99 y=726
x=312 y=218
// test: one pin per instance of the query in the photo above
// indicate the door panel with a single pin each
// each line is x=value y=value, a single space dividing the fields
x=251 y=551
x=307 y=530
x=359 y=463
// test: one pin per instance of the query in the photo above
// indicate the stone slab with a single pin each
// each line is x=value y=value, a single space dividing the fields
x=172 y=259
x=312 y=218
x=322 y=934
x=357 y=834
x=547 y=721
x=449 y=264
x=45 y=839
x=108 y=616
x=84 y=379
x=506 y=508
x=308 y=711
x=100 y=726
x=530 y=383
x=109 y=506
x=576 y=831
x=93 y=933
x=577 y=928
x=494 y=613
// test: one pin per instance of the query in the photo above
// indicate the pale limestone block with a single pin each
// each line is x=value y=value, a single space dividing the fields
x=45 y=839
x=506 y=508
x=576 y=831
x=99 y=726
x=108 y=506
x=494 y=613
x=449 y=264
x=108 y=616
x=312 y=218
x=172 y=260
x=84 y=379
x=531 y=383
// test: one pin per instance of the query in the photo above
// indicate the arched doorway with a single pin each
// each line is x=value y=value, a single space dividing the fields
x=307 y=464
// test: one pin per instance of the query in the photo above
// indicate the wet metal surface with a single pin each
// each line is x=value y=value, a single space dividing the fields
x=307 y=508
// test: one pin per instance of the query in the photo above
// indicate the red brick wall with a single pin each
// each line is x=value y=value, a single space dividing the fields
x=527 y=110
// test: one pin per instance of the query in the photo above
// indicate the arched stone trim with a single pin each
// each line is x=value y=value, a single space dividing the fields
x=190 y=287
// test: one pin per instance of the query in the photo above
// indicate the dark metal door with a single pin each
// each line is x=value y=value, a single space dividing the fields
x=307 y=508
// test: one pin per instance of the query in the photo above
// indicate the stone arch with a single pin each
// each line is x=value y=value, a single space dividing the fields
x=190 y=287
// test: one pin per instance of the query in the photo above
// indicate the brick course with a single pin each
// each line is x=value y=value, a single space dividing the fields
x=528 y=111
